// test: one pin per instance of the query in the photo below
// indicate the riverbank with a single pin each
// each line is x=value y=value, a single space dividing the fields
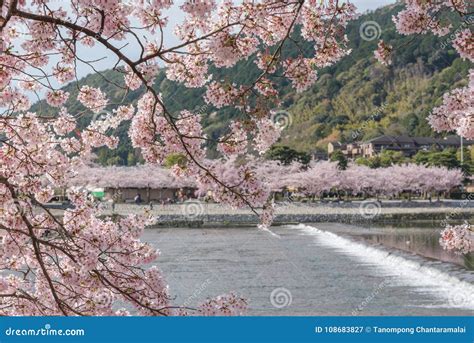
x=197 y=214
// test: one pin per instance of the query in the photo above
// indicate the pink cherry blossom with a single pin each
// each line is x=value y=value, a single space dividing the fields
x=84 y=263
x=64 y=123
x=383 y=53
x=57 y=98
x=457 y=111
x=420 y=17
x=267 y=134
x=64 y=73
x=459 y=238
x=236 y=142
x=301 y=73
x=92 y=98
x=464 y=44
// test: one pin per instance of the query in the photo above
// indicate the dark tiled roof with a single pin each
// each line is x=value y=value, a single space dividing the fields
x=337 y=144
x=385 y=139
x=424 y=140
x=399 y=140
x=450 y=140
x=404 y=139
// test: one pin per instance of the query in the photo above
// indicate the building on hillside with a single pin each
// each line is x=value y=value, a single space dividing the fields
x=334 y=146
x=409 y=146
x=319 y=156
x=351 y=150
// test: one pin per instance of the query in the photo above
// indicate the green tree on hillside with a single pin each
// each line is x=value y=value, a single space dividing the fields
x=390 y=157
x=341 y=160
x=446 y=158
x=385 y=159
x=467 y=164
x=286 y=155
x=355 y=95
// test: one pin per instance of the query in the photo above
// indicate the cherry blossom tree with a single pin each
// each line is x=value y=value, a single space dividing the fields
x=420 y=17
x=457 y=110
x=81 y=264
x=316 y=179
x=456 y=113
x=319 y=178
x=141 y=176
x=458 y=238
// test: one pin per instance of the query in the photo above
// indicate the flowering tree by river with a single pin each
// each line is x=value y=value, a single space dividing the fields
x=80 y=264
x=420 y=17
x=458 y=238
x=456 y=113
x=314 y=180
x=324 y=177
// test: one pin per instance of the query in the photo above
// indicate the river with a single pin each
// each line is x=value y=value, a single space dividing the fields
x=318 y=269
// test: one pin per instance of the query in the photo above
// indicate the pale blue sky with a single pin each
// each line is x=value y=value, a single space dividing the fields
x=105 y=59
x=364 y=5
x=175 y=16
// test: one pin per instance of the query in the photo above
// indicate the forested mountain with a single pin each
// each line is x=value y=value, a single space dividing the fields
x=356 y=99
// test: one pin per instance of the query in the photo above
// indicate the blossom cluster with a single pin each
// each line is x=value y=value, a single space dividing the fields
x=464 y=44
x=84 y=264
x=383 y=53
x=95 y=262
x=456 y=113
x=93 y=98
x=325 y=177
x=313 y=180
x=458 y=238
x=420 y=17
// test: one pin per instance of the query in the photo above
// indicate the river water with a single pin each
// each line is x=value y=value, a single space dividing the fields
x=318 y=269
